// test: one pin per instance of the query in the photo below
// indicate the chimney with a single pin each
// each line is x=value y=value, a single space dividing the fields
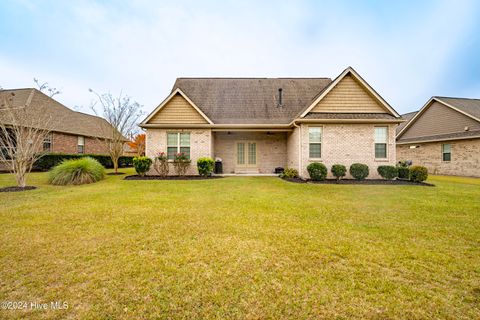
x=280 y=98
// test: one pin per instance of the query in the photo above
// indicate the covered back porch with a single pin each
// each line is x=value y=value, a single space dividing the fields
x=250 y=152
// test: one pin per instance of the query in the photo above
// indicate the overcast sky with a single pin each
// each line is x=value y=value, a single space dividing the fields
x=407 y=50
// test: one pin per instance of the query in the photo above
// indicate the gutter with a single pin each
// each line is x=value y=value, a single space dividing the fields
x=436 y=140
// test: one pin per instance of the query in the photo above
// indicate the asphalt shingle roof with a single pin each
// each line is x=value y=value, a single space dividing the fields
x=470 y=106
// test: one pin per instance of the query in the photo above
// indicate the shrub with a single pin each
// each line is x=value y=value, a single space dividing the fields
x=403 y=172
x=388 y=172
x=289 y=173
x=48 y=161
x=317 y=171
x=205 y=166
x=418 y=173
x=142 y=165
x=339 y=171
x=359 y=171
x=160 y=164
x=181 y=163
x=77 y=171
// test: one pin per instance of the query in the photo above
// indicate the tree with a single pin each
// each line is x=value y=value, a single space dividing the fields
x=138 y=144
x=121 y=114
x=24 y=126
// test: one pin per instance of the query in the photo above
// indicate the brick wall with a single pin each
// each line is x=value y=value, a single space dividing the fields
x=346 y=144
x=200 y=146
x=271 y=150
x=465 y=159
x=67 y=143
x=293 y=144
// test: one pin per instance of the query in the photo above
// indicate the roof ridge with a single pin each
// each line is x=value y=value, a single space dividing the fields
x=456 y=98
x=254 y=78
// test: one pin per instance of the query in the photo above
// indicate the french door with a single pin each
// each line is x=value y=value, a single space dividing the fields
x=246 y=154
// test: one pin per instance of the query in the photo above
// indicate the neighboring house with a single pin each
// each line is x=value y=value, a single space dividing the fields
x=72 y=131
x=258 y=124
x=444 y=136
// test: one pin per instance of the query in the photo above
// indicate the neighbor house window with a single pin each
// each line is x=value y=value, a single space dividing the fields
x=315 y=142
x=47 y=143
x=178 y=142
x=81 y=144
x=381 y=137
x=446 y=152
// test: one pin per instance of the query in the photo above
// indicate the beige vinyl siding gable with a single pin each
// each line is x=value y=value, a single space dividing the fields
x=349 y=96
x=439 y=119
x=177 y=111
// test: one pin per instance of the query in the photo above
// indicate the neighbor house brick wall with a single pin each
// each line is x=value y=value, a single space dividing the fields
x=271 y=149
x=200 y=146
x=67 y=143
x=465 y=158
x=346 y=144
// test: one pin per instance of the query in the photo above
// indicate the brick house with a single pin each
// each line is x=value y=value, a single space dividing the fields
x=73 y=132
x=443 y=136
x=257 y=124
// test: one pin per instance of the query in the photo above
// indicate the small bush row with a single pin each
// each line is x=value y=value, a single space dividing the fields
x=181 y=163
x=318 y=172
x=50 y=160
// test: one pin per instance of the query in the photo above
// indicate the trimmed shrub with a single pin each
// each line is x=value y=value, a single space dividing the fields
x=289 y=173
x=48 y=161
x=359 y=171
x=161 y=164
x=142 y=165
x=205 y=166
x=387 y=172
x=77 y=171
x=418 y=173
x=317 y=171
x=403 y=172
x=339 y=171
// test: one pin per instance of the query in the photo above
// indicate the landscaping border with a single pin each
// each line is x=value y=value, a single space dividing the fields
x=362 y=182
x=137 y=177
x=17 y=189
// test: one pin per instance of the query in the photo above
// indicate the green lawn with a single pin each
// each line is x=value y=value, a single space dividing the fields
x=250 y=247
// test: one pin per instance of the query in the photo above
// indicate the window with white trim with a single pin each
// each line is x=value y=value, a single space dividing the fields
x=178 y=142
x=315 y=142
x=81 y=144
x=47 y=143
x=381 y=138
x=446 y=152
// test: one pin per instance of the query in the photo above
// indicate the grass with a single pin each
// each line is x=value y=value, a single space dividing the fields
x=245 y=248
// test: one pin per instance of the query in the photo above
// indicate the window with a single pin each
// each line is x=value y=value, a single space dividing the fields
x=446 y=152
x=381 y=135
x=47 y=143
x=178 y=142
x=315 y=142
x=81 y=144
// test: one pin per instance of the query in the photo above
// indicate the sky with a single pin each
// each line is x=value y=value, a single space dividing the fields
x=407 y=51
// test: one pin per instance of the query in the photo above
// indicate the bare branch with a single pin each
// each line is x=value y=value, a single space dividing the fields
x=46 y=88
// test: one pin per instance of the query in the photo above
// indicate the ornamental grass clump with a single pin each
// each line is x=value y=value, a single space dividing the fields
x=76 y=171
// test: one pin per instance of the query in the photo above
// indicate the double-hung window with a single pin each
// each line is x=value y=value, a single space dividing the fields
x=81 y=144
x=446 y=152
x=381 y=138
x=315 y=142
x=178 y=142
x=47 y=143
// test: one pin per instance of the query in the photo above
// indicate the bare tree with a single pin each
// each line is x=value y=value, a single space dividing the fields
x=121 y=114
x=23 y=130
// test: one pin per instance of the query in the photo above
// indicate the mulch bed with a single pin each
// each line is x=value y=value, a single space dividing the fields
x=115 y=174
x=363 y=182
x=137 y=177
x=17 y=189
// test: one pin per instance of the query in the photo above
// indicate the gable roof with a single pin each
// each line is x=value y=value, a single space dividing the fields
x=250 y=100
x=355 y=75
x=468 y=107
x=64 y=119
x=407 y=117
x=170 y=97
